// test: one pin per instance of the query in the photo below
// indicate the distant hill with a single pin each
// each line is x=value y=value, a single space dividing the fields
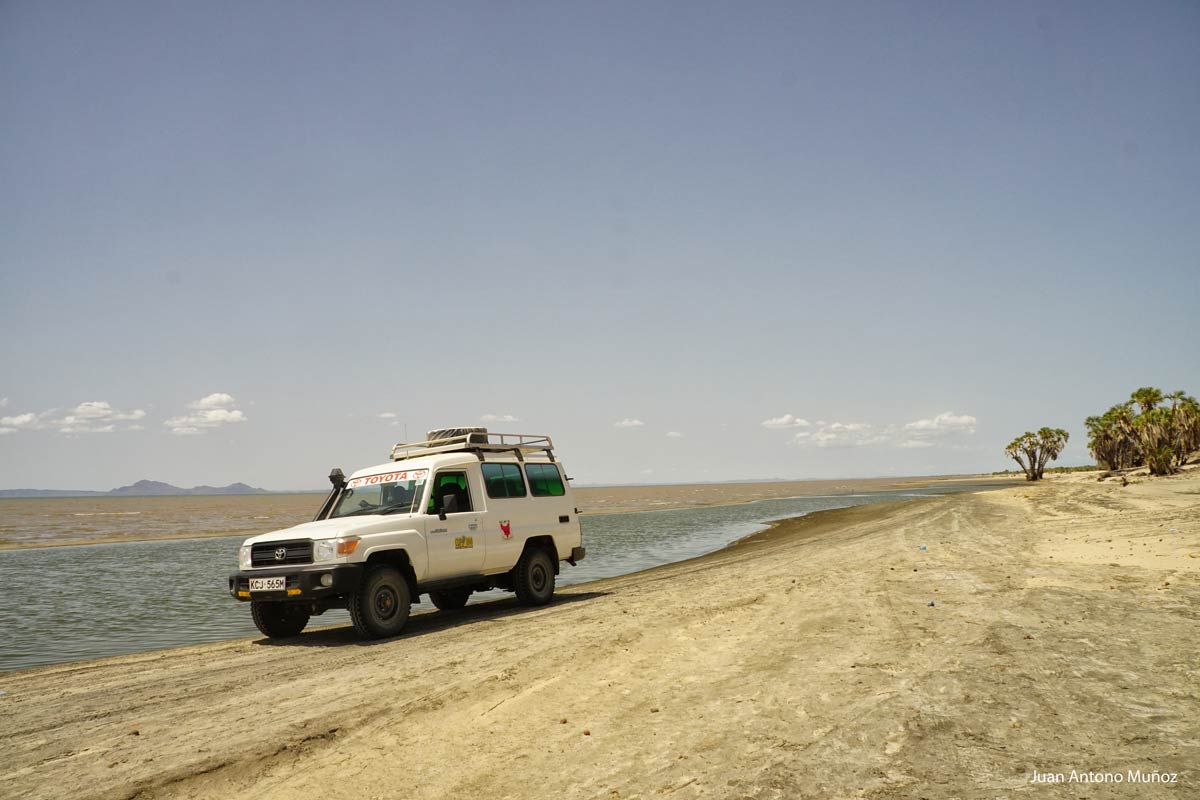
x=153 y=488
x=143 y=488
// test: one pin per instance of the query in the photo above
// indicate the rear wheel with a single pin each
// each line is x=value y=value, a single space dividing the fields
x=533 y=577
x=279 y=620
x=379 y=606
x=450 y=599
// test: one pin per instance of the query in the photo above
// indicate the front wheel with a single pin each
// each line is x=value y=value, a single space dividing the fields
x=279 y=620
x=379 y=606
x=451 y=599
x=533 y=577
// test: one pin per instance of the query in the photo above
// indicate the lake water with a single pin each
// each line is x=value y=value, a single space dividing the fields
x=71 y=603
x=84 y=519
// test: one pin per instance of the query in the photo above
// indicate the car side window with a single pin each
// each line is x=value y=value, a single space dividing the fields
x=503 y=480
x=450 y=483
x=544 y=480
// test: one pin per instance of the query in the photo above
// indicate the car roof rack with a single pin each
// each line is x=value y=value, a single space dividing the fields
x=478 y=441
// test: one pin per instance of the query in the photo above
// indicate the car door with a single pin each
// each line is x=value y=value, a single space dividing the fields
x=504 y=526
x=454 y=544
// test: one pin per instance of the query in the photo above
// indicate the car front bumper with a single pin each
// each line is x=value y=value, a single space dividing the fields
x=301 y=583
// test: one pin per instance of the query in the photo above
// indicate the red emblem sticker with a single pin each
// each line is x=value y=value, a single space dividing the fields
x=506 y=528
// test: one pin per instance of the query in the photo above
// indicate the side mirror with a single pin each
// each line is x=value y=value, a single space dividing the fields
x=449 y=504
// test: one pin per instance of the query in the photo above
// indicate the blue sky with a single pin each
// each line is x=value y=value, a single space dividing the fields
x=237 y=234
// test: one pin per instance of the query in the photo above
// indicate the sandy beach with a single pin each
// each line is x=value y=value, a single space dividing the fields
x=952 y=647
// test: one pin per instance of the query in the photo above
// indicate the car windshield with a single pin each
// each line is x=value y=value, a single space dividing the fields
x=387 y=493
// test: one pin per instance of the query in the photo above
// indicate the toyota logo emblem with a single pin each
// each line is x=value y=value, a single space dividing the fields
x=280 y=553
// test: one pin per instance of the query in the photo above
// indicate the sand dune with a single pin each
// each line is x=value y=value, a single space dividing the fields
x=806 y=661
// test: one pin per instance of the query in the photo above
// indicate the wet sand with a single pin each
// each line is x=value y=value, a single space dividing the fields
x=805 y=661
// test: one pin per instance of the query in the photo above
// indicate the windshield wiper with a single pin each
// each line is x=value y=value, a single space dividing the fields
x=396 y=508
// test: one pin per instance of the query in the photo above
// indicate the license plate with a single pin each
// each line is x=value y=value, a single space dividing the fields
x=268 y=584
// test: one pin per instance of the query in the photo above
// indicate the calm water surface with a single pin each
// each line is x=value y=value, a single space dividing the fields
x=71 y=603
x=84 y=519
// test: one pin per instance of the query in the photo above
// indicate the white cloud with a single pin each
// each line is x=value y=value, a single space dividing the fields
x=98 y=409
x=95 y=416
x=931 y=432
x=674 y=435
x=786 y=421
x=3 y=402
x=910 y=444
x=942 y=429
x=216 y=400
x=387 y=415
x=208 y=412
x=26 y=421
x=840 y=434
x=498 y=418
x=92 y=416
x=628 y=423
x=946 y=422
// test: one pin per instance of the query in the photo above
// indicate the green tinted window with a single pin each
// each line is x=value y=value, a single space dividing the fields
x=503 y=480
x=544 y=480
x=454 y=483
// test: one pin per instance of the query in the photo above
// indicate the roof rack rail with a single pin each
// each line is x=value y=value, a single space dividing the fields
x=477 y=441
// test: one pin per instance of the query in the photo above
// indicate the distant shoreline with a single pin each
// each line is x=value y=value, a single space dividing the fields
x=592 y=501
x=160 y=489
x=142 y=488
x=70 y=494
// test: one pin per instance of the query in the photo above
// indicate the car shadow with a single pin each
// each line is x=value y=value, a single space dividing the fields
x=422 y=623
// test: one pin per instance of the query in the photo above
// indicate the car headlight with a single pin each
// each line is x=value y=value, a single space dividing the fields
x=325 y=550
x=244 y=557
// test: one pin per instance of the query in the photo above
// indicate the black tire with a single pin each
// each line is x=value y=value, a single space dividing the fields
x=450 y=599
x=379 y=606
x=533 y=577
x=279 y=620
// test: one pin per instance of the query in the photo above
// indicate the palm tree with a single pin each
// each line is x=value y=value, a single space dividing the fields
x=1021 y=448
x=1052 y=441
x=1100 y=440
x=1147 y=397
x=1161 y=437
x=1103 y=442
x=1111 y=438
x=1033 y=450
x=1154 y=429
x=1190 y=412
x=1127 y=450
x=1185 y=425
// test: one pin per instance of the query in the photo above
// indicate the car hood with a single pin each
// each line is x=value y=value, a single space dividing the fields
x=334 y=528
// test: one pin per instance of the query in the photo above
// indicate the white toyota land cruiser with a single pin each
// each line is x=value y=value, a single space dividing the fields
x=465 y=511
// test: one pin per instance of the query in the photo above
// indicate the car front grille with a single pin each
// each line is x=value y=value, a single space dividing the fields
x=268 y=554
